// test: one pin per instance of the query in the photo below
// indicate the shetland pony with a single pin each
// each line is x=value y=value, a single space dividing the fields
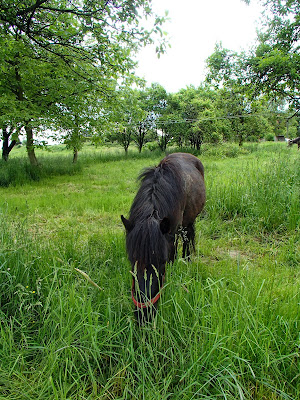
x=166 y=205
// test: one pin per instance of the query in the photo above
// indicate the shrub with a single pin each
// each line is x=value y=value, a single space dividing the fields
x=252 y=139
x=269 y=137
x=215 y=138
x=152 y=146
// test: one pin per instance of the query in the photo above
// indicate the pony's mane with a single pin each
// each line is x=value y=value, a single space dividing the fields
x=156 y=199
x=158 y=193
x=145 y=244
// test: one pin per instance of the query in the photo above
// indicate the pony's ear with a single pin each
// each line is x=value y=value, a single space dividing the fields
x=126 y=223
x=165 y=226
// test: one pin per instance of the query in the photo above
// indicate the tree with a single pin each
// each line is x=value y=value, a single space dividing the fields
x=223 y=68
x=144 y=127
x=153 y=101
x=125 y=117
x=174 y=126
x=191 y=116
x=10 y=138
x=82 y=115
x=275 y=63
x=47 y=45
x=248 y=115
x=226 y=73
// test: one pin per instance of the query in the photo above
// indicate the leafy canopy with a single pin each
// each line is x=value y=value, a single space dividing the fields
x=64 y=58
x=275 y=64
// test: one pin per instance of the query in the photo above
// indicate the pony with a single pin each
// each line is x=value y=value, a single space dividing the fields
x=170 y=197
x=294 y=141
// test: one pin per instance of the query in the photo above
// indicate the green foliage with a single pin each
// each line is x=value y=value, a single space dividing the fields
x=126 y=117
x=60 y=63
x=223 y=67
x=269 y=137
x=245 y=96
x=215 y=138
x=191 y=117
x=153 y=100
x=152 y=146
x=252 y=139
x=274 y=65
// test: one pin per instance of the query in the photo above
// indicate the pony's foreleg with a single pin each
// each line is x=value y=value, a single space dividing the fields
x=176 y=246
x=188 y=237
x=173 y=248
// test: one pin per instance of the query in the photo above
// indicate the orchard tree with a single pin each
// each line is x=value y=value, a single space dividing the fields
x=46 y=45
x=245 y=115
x=174 y=124
x=226 y=73
x=143 y=130
x=274 y=66
x=153 y=101
x=10 y=136
x=194 y=116
x=83 y=115
x=11 y=122
x=125 y=118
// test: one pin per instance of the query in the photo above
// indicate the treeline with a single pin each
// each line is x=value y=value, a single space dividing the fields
x=68 y=69
x=194 y=116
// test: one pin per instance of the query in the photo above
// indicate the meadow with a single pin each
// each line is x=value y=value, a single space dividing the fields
x=228 y=325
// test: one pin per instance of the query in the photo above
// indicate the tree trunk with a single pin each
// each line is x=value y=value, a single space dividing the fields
x=241 y=134
x=5 y=138
x=75 y=155
x=241 y=140
x=162 y=141
x=7 y=148
x=141 y=138
x=30 y=145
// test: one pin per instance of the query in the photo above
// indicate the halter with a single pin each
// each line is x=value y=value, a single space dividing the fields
x=149 y=302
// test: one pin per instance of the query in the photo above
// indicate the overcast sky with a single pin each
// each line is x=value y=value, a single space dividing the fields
x=194 y=28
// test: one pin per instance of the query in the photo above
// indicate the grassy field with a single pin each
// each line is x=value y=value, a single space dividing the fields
x=228 y=325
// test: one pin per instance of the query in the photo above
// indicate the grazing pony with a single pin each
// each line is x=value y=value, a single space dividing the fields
x=295 y=141
x=166 y=205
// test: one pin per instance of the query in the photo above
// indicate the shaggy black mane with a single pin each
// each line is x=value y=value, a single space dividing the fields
x=158 y=194
x=156 y=199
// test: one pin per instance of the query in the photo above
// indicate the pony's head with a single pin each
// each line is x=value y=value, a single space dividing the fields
x=149 y=246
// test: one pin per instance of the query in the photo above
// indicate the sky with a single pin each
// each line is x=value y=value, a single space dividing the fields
x=194 y=28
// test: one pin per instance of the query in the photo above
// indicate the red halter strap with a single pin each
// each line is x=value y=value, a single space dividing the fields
x=149 y=302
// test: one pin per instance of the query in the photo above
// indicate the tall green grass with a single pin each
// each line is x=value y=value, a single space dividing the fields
x=228 y=322
x=18 y=171
x=264 y=194
x=57 y=160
